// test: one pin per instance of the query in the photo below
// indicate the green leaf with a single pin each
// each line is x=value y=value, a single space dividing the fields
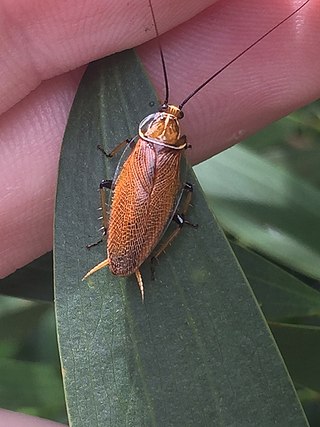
x=310 y=400
x=300 y=347
x=33 y=388
x=14 y=325
x=265 y=207
x=33 y=281
x=280 y=295
x=292 y=143
x=198 y=351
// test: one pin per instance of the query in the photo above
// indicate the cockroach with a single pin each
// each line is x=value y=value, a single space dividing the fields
x=148 y=185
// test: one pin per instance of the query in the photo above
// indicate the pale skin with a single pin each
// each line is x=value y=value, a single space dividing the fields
x=47 y=44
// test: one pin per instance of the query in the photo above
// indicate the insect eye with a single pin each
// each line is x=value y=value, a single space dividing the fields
x=164 y=107
x=181 y=115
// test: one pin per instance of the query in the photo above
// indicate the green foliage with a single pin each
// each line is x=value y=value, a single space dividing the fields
x=29 y=366
x=266 y=194
x=198 y=351
x=265 y=206
x=34 y=281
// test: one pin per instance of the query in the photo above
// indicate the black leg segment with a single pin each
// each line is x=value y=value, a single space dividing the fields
x=105 y=183
x=117 y=148
x=180 y=220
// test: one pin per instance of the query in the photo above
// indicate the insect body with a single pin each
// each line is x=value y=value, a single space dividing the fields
x=147 y=187
x=145 y=193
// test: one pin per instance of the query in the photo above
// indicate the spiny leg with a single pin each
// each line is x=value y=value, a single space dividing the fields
x=188 y=188
x=106 y=183
x=179 y=218
x=117 y=148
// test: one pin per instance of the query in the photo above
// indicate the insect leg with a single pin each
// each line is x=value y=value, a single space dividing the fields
x=117 y=147
x=188 y=188
x=106 y=183
x=179 y=218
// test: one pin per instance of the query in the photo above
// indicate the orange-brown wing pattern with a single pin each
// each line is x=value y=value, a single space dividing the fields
x=144 y=196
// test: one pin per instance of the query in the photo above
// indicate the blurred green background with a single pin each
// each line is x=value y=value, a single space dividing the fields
x=265 y=193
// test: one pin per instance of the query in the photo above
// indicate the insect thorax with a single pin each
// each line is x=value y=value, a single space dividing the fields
x=163 y=128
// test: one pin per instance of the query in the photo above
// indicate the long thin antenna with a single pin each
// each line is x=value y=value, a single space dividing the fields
x=161 y=54
x=240 y=54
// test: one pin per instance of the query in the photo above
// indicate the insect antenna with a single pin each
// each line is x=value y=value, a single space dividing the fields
x=162 y=56
x=239 y=56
